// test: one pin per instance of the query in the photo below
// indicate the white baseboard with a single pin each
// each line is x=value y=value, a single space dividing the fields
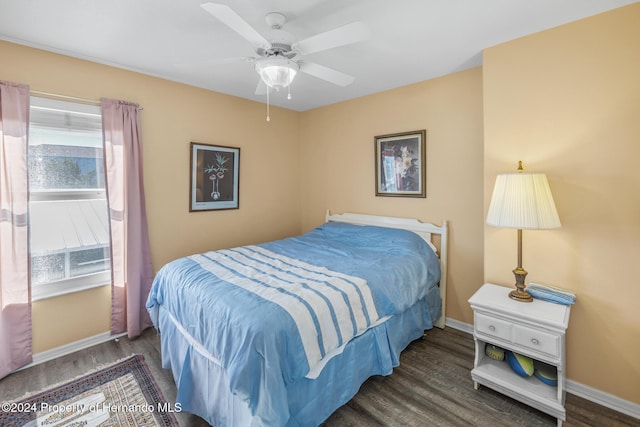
x=594 y=395
x=63 y=350
x=604 y=399
x=461 y=326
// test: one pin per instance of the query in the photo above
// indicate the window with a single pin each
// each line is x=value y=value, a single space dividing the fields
x=68 y=216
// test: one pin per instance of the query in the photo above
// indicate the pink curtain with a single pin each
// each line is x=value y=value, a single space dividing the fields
x=131 y=268
x=15 y=295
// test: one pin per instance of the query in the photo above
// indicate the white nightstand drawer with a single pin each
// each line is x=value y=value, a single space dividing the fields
x=536 y=340
x=494 y=327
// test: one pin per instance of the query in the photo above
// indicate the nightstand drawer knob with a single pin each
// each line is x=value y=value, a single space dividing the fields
x=492 y=328
x=534 y=341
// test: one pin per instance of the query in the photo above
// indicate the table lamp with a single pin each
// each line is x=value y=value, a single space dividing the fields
x=522 y=200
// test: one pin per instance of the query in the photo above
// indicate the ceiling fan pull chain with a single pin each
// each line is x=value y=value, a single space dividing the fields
x=268 y=118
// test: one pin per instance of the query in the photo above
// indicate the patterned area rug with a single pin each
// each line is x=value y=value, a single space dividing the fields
x=123 y=394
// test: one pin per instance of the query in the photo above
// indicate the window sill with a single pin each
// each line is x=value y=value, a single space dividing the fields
x=65 y=287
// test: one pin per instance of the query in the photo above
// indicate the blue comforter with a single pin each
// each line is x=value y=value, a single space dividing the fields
x=273 y=314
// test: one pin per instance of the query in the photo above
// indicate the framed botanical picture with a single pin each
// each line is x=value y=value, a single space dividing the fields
x=215 y=173
x=401 y=164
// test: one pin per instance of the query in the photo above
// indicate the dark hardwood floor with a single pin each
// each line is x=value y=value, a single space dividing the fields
x=431 y=387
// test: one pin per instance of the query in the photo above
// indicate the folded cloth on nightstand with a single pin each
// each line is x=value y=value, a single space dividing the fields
x=551 y=294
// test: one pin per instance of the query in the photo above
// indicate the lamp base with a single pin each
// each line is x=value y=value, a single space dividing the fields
x=519 y=293
x=521 y=296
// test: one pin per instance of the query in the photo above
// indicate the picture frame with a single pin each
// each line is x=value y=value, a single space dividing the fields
x=215 y=177
x=400 y=165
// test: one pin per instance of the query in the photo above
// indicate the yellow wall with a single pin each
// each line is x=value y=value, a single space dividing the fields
x=337 y=151
x=567 y=102
x=173 y=116
x=69 y=318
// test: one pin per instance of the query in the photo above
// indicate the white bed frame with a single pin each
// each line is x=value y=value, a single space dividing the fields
x=423 y=229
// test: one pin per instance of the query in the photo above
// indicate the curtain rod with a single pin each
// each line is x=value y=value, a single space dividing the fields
x=69 y=98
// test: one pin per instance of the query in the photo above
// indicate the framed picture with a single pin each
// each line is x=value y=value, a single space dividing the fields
x=401 y=164
x=215 y=172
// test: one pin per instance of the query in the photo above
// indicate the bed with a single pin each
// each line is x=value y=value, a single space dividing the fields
x=283 y=333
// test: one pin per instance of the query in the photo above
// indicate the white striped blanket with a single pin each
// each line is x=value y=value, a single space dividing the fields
x=328 y=308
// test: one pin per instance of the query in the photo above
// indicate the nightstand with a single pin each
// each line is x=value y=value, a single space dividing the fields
x=535 y=329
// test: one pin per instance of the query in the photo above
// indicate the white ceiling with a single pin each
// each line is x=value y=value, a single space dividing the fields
x=412 y=40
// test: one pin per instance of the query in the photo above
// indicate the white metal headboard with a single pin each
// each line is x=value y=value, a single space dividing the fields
x=423 y=229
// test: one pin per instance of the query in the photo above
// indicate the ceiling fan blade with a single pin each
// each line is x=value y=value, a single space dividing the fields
x=234 y=21
x=325 y=73
x=262 y=88
x=347 y=34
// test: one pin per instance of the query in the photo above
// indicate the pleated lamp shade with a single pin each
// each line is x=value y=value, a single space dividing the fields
x=523 y=200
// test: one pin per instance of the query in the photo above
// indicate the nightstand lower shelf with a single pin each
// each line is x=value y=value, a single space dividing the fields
x=531 y=391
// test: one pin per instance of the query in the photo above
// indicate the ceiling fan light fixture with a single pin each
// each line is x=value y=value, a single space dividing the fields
x=277 y=72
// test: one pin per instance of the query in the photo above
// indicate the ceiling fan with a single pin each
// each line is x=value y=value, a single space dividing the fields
x=278 y=58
